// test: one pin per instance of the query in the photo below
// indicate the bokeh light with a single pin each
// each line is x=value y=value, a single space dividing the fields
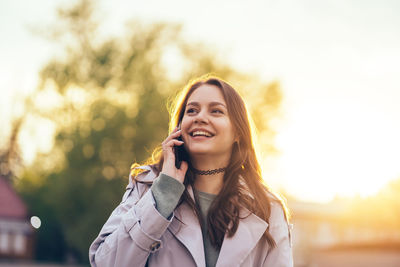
x=36 y=222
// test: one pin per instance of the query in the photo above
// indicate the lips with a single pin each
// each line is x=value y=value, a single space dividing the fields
x=201 y=132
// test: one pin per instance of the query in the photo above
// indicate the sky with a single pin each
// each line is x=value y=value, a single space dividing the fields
x=337 y=62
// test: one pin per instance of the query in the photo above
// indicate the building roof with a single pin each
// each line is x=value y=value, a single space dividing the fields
x=11 y=204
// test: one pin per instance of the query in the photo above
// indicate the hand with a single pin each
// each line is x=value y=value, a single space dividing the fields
x=169 y=167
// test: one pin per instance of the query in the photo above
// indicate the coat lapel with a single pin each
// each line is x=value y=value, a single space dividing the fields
x=235 y=249
x=187 y=230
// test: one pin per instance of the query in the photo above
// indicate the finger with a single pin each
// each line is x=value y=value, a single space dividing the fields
x=176 y=129
x=172 y=143
x=173 y=135
x=176 y=133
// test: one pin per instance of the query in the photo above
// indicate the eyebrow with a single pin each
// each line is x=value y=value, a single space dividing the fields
x=214 y=103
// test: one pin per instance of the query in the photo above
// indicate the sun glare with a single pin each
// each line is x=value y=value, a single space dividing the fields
x=339 y=149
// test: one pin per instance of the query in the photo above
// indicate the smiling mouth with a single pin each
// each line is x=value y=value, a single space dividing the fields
x=201 y=133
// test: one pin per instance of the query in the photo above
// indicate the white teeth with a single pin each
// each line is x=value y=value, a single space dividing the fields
x=196 y=133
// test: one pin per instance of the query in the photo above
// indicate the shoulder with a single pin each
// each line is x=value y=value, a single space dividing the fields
x=279 y=212
x=141 y=175
x=140 y=180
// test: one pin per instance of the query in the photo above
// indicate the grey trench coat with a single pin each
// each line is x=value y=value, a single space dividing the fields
x=136 y=234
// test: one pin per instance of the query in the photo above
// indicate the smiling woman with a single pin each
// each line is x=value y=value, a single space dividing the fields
x=211 y=209
x=207 y=130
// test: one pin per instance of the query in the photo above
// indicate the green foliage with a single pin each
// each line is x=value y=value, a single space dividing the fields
x=119 y=117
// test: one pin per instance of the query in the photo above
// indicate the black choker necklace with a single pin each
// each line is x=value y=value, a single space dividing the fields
x=208 y=172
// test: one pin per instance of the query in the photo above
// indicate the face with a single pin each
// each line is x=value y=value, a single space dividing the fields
x=206 y=126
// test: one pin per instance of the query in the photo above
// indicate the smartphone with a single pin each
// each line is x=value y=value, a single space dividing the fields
x=180 y=153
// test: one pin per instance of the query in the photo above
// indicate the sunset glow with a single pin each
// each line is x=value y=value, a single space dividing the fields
x=337 y=148
x=337 y=65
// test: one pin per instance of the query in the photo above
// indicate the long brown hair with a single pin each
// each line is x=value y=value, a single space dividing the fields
x=243 y=185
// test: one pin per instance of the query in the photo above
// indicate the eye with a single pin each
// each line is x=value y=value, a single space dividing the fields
x=190 y=110
x=217 y=111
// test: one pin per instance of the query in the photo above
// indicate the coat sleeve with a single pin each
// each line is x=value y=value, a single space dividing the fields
x=280 y=230
x=132 y=232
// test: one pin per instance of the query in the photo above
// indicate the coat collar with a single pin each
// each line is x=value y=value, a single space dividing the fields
x=186 y=228
x=235 y=249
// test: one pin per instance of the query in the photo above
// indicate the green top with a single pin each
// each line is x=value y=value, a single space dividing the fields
x=167 y=191
x=204 y=200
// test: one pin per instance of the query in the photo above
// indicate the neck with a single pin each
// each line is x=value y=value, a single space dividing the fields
x=211 y=184
x=207 y=162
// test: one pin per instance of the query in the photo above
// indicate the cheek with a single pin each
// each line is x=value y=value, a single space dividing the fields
x=185 y=125
x=229 y=132
x=226 y=127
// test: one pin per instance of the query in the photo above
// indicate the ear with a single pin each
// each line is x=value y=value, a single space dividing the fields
x=236 y=140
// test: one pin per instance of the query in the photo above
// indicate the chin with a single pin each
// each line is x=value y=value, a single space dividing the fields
x=199 y=151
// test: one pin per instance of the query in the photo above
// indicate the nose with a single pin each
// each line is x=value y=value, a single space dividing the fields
x=201 y=117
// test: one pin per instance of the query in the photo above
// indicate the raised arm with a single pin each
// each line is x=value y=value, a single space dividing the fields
x=135 y=227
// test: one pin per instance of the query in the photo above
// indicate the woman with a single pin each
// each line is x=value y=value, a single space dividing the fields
x=202 y=202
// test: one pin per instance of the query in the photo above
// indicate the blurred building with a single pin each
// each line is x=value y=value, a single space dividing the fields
x=322 y=238
x=16 y=232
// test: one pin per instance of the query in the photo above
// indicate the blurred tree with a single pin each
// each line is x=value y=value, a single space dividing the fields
x=10 y=154
x=112 y=113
